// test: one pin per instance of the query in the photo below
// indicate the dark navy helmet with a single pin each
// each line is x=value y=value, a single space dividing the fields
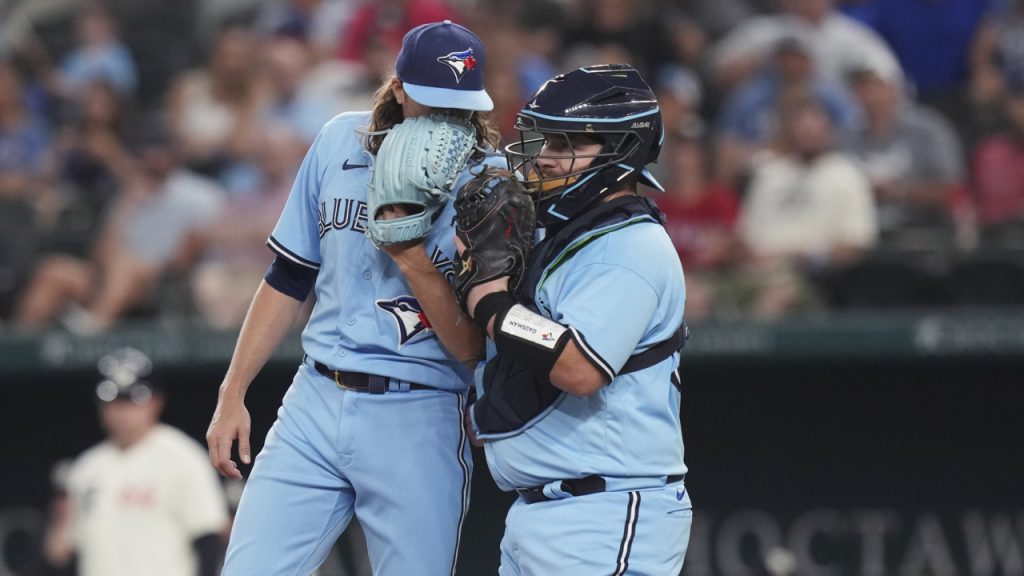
x=610 y=104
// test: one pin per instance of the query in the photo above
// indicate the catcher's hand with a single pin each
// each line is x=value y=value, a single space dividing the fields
x=415 y=169
x=495 y=221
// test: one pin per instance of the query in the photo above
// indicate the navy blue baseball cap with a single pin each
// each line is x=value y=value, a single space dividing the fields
x=441 y=65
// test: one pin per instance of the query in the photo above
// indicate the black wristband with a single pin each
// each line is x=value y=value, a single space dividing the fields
x=494 y=304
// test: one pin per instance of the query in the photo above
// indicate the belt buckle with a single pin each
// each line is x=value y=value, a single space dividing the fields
x=342 y=385
x=532 y=495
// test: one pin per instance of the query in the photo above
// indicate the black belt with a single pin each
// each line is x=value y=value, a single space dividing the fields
x=592 y=484
x=363 y=382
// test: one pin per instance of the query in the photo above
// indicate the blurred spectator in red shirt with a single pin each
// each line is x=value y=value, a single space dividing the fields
x=701 y=213
x=999 y=170
x=701 y=217
x=389 y=20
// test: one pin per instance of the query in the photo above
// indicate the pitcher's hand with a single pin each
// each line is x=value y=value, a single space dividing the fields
x=230 y=422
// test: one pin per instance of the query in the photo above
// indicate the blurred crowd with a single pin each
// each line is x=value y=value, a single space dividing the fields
x=819 y=154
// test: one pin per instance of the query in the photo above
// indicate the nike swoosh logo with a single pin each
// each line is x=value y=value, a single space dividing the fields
x=680 y=494
x=346 y=166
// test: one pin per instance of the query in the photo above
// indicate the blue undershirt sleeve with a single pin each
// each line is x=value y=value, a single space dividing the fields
x=289 y=278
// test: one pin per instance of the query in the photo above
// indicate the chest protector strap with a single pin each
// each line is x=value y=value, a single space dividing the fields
x=514 y=397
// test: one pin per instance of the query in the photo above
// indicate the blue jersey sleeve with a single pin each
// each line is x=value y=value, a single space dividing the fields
x=297 y=234
x=620 y=294
x=609 y=308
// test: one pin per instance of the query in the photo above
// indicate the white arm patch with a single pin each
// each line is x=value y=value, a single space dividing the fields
x=531 y=327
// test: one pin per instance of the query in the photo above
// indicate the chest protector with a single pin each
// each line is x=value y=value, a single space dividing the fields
x=514 y=398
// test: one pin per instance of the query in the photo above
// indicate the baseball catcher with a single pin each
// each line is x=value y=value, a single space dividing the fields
x=495 y=221
x=416 y=167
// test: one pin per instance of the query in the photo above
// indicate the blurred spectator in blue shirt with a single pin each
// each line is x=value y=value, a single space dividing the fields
x=288 y=61
x=24 y=138
x=997 y=63
x=99 y=55
x=538 y=42
x=749 y=118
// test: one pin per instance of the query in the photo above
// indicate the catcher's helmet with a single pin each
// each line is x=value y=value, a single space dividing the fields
x=610 y=104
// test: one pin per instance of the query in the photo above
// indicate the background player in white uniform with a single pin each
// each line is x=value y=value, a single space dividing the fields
x=371 y=424
x=579 y=409
x=144 y=502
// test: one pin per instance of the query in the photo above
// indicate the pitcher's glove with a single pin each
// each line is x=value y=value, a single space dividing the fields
x=495 y=220
x=416 y=167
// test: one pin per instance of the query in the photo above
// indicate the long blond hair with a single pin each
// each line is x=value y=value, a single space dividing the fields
x=387 y=112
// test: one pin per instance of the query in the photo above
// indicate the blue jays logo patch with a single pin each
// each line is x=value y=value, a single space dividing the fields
x=459 y=62
x=408 y=315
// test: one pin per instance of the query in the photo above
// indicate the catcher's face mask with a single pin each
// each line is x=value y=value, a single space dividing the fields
x=548 y=161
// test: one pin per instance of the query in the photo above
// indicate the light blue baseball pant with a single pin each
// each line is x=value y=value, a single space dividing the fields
x=639 y=533
x=399 y=461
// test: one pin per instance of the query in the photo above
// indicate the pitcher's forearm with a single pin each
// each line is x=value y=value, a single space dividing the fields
x=456 y=330
x=268 y=321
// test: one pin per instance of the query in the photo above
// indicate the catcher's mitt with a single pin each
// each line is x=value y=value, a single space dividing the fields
x=416 y=167
x=495 y=220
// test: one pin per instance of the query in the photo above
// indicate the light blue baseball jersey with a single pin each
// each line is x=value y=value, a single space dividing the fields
x=366 y=318
x=334 y=453
x=621 y=293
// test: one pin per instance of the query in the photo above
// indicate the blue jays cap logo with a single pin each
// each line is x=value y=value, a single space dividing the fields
x=459 y=62
x=408 y=315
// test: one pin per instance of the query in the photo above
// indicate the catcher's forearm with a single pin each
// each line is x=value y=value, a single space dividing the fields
x=556 y=358
x=456 y=330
